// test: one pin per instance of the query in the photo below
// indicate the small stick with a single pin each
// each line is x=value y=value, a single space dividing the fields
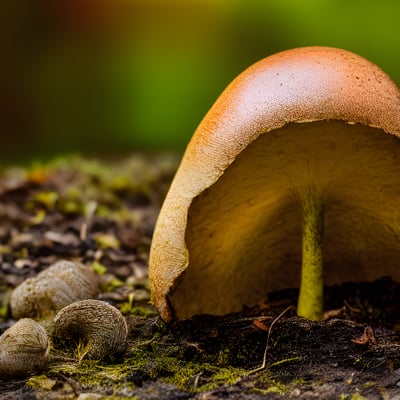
x=264 y=363
x=90 y=209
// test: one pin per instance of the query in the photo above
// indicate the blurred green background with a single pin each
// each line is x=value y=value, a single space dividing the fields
x=121 y=75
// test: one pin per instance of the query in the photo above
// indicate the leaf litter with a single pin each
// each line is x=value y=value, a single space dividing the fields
x=102 y=213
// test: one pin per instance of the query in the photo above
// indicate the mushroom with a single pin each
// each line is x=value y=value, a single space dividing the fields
x=292 y=179
x=91 y=329
x=60 y=284
x=24 y=349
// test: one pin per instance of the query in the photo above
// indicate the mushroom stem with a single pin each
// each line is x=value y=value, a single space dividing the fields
x=310 y=303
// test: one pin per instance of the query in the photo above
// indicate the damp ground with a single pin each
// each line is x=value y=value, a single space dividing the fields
x=102 y=213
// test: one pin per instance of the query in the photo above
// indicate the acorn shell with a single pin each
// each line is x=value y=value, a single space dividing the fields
x=24 y=349
x=92 y=329
x=63 y=283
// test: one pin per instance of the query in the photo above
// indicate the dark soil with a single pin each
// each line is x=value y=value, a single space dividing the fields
x=103 y=214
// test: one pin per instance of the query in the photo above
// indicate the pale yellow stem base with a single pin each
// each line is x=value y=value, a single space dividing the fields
x=310 y=303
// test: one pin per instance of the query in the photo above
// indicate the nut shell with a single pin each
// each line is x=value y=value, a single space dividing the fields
x=24 y=349
x=63 y=283
x=93 y=329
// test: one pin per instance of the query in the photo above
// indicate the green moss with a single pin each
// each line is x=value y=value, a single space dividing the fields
x=128 y=309
x=112 y=284
x=5 y=249
x=71 y=206
x=355 y=396
x=200 y=377
x=3 y=311
x=42 y=382
x=267 y=384
x=99 y=268
x=21 y=253
x=368 y=385
x=148 y=360
x=107 y=241
x=113 y=397
x=223 y=376
x=223 y=357
x=46 y=198
x=91 y=374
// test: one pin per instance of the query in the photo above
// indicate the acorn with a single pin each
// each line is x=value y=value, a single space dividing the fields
x=90 y=329
x=24 y=349
x=62 y=283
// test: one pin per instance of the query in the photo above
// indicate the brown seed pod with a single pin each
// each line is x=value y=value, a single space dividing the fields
x=24 y=349
x=93 y=329
x=63 y=283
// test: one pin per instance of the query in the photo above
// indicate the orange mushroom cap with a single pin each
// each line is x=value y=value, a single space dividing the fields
x=229 y=230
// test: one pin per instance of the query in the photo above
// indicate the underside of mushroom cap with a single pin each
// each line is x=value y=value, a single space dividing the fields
x=315 y=118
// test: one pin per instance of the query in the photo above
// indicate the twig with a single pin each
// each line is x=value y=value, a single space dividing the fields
x=285 y=361
x=90 y=209
x=264 y=363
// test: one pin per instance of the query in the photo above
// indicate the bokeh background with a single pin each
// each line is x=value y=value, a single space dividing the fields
x=112 y=76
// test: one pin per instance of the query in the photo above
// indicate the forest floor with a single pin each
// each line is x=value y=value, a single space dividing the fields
x=102 y=213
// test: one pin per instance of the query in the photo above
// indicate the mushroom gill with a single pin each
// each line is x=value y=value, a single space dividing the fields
x=244 y=233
